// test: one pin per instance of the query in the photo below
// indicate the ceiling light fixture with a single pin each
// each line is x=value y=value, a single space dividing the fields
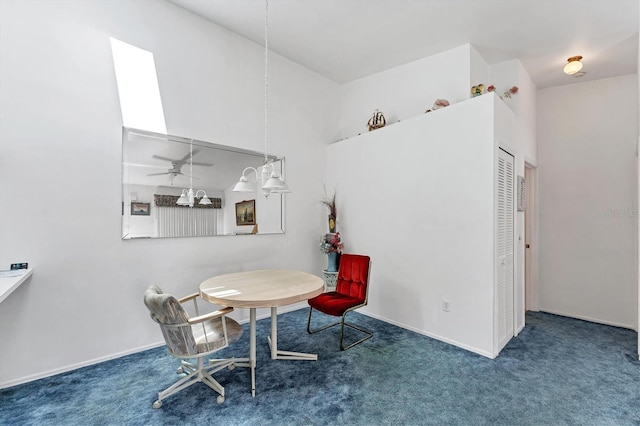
x=573 y=65
x=187 y=198
x=270 y=180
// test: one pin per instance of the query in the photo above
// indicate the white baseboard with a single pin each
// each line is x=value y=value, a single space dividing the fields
x=584 y=318
x=53 y=372
x=87 y=363
x=433 y=336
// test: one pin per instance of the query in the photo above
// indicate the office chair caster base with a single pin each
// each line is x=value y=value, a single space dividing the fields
x=220 y=399
x=157 y=404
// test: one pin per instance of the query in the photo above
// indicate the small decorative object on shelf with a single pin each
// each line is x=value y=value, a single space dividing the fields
x=477 y=90
x=507 y=93
x=439 y=103
x=512 y=91
x=331 y=245
x=376 y=121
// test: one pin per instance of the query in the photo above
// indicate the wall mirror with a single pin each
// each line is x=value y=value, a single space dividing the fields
x=158 y=168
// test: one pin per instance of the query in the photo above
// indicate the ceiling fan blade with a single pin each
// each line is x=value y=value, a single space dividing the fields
x=171 y=160
x=185 y=159
x=177 y=164
x=158 y=174
x=150 y=166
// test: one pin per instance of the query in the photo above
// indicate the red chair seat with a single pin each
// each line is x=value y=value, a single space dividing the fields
x=334 y=303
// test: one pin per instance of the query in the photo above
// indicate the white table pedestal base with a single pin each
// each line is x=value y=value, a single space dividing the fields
x=273 y=343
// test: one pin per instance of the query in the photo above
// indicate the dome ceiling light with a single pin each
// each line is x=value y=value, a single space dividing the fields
x=573 y=65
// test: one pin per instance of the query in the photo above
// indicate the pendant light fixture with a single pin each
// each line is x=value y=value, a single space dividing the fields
x=269 y=178
x=573 y=65
x=187 y=198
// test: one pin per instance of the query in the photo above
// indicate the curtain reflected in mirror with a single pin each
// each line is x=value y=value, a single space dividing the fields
x=179 y=187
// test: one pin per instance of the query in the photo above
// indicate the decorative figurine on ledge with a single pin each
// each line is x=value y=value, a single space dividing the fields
x=507 y=93
x=439 y=103
x=477 y=90
x=376 y=121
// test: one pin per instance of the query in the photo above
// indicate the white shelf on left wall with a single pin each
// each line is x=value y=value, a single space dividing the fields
x=10 y=280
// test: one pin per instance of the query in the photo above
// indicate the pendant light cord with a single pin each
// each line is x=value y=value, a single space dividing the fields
x=191 y=166
x=266 y=76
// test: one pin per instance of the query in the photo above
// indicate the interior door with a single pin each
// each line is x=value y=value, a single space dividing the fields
x=504 y=242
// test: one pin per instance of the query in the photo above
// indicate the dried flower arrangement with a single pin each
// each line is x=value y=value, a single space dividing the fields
x=330 y=243
x=330 y=202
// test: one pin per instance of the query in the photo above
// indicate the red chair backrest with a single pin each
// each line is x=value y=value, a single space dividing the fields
x=353 y=276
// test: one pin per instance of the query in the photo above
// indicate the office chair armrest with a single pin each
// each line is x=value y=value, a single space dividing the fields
x=189 y=297
x=212 y=315
x=194 y=297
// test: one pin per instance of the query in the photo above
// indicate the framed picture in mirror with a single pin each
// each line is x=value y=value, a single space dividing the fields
x=246 y=213
x=140 y=209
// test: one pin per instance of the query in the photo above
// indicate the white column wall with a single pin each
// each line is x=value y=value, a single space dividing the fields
x=587 y=137
x=60 y=171
x=417 y=197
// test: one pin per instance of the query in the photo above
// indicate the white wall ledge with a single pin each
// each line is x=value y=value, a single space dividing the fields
x=8 y=284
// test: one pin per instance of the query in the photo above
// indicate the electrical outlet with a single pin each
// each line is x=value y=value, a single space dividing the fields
x=446 y=305
x=23 y=265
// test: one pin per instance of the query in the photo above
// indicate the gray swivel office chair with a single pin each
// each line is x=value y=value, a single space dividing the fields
x=192 y=338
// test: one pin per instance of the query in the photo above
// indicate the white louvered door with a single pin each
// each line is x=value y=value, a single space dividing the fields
x=504 y=249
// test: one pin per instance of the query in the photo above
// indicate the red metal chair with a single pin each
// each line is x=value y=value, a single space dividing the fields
x=352 y=290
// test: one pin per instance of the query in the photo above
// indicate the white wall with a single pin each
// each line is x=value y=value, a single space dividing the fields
x=417 y=197
x=60 y=171
x=512 y=73
x=587 y=136
x=405 y=91
x=478 y=69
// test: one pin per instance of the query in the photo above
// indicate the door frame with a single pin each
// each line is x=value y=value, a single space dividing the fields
x=531 y=285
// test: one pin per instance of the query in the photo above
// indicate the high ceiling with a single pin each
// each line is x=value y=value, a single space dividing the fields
x=344 y=40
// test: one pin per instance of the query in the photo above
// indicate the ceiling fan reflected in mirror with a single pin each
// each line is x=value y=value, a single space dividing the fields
x=176 y=165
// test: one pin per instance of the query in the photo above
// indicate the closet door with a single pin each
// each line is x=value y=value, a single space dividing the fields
x=504 y=250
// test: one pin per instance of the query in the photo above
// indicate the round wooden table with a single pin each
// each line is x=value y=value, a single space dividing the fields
x=267 y=288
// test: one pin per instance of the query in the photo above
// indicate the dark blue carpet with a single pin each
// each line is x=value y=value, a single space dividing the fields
x=558 y=371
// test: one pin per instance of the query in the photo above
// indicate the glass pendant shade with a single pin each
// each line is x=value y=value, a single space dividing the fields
x=204 y=201
x=275 y=184
x=183 y=200
x=243 y=185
